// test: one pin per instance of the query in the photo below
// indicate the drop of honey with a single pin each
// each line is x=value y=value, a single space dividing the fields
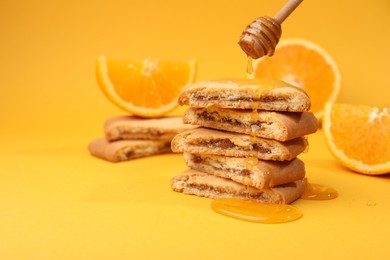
x=254 y=128
x=249 y=66
x=318 y=192
x=248 y=210
x=250 y=162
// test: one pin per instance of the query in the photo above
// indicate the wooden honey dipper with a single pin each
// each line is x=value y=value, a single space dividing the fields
x=262 y=35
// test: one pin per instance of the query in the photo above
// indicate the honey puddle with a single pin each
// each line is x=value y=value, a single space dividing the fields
x=318 y=192
x=252 y=211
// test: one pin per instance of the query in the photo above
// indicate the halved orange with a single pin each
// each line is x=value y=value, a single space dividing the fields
x=146 y=88
x=306 y=65
x=359 y=136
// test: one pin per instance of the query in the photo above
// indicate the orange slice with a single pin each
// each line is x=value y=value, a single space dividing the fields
x=359 y=136
x=147 y=88
x=305 y=65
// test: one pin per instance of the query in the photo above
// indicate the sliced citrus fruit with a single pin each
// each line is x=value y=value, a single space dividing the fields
x=305 y=65
x=147 y=88
x=359 y=136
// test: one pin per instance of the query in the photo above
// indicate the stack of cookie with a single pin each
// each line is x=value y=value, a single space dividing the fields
x=247 y=146
x=129 y=137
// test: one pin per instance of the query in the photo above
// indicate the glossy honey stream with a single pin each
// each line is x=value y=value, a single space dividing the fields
x=252 y=160
x=252 y=211
x=249 y=66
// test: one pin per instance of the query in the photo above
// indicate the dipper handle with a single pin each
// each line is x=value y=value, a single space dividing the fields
x=286 y=10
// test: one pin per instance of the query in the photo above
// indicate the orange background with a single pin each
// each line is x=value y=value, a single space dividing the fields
x=57 y=202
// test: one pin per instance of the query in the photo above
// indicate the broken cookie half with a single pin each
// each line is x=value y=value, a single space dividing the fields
x=262 y=94
x=198 y=183
x=130 y=137
x=124 y=150
x=210 y=141
x=281 y=126
x=256 y=173
x=137 y=128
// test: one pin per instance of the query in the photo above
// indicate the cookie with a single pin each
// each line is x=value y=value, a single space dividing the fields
x=280 y=126
x=198 y=183
x=259 y=174
x=124 y=150
x=262 y=94
x=210 y=141
x=131 y=127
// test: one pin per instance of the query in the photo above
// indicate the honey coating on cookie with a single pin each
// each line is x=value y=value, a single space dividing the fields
x=268 y=84
x=252 y=211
